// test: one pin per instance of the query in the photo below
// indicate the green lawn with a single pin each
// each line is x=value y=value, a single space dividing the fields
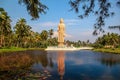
x=115 y=50
x=13 y=49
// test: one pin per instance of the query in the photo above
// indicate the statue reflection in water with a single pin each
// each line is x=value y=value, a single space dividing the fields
x=61 y=64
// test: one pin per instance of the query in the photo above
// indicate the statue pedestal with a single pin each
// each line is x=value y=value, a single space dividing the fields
x=61 y=44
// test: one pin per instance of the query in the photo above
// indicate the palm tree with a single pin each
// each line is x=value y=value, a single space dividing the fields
x=44 y=35
x=109 y=40
x=114 y=39
x=22 y=31
x=5 y=26
x=50 y=33
x=34 y=7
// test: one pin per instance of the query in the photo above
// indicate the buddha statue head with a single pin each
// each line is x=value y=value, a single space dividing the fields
x=61 y=20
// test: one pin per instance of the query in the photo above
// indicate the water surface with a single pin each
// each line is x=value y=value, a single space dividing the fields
x=66 y=65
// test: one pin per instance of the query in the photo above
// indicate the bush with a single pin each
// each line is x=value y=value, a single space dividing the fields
x=118 y=46
x=97 y=46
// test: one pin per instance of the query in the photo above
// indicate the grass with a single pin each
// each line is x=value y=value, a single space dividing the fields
x=35 y=48
x=110 y=50
x=14 y=49
x=11 y=49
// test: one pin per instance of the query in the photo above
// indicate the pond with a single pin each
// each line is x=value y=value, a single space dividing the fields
x=59 y=65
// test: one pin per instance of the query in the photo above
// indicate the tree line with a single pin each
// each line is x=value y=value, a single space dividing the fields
x=109 y=40
x=22 y=35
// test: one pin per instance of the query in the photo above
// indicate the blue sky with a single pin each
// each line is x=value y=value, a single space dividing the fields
x=76 y=29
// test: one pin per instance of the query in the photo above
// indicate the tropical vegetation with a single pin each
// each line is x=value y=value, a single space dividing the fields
x=109 y=40
x=22 y=35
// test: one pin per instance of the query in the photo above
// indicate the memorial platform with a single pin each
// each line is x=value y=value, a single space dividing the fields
x=55 y=48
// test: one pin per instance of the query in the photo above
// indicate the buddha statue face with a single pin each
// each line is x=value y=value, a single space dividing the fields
x=61 y=20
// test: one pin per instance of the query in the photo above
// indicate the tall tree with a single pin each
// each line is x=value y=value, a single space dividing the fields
x=22 y=30
x=50 y=33
x=109 y=39
x=34 y=7
x=5 y=26
x=101 y=8
x=44 y=35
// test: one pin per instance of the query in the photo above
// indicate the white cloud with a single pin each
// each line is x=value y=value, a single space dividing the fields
x=82 y=35
x=72 y=22
x=48 y=24
x=68 y=35
x=86 y=33
x=55 y=34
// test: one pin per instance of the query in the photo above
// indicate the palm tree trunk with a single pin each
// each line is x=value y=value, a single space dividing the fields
x=1 y=37
x=1 y=41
